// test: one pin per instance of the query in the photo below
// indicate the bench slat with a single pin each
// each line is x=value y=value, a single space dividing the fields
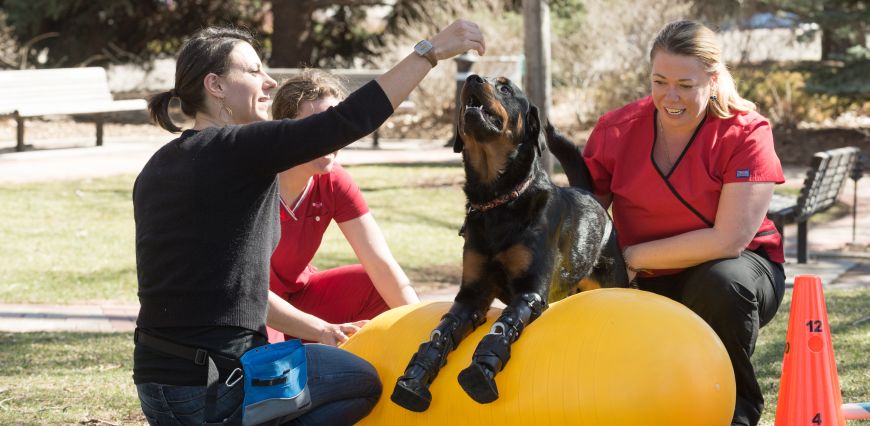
x=781 y=204
x=62 y=101
x=33 y=93
x=47 y=91
x=47 y=87
x=825 y=180
x=91 y=108
x=820 y=191
x=35 y=102
x=59 y=91
x=53 y=76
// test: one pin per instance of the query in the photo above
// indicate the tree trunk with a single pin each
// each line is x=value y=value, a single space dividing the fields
x=291 y=37
x=833 y=45
x=536 y=23
x=829 y=44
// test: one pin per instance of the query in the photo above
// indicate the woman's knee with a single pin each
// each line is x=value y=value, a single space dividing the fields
x=367 y=380
x=339 y=374
x=718 y=288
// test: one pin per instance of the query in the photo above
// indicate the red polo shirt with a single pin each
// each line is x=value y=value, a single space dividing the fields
x=648 y=205
x=331 y=196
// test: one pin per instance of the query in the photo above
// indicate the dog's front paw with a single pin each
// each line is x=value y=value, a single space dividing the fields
x=411 y=395
x=479 y=383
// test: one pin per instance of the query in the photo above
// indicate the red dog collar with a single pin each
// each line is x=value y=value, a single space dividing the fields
x=513 y=195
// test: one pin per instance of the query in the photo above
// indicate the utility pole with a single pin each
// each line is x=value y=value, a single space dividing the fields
x=536 y=24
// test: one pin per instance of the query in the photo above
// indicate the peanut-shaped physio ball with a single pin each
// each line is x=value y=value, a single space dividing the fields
x=602 y=357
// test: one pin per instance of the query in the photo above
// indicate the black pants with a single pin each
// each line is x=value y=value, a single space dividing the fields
x=735 y=297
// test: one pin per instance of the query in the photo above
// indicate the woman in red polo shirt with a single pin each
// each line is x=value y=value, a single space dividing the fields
x=689 y=172
x=339 y=300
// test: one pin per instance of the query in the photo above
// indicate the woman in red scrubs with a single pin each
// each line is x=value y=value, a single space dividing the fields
x=336 y=301
x=689 y=172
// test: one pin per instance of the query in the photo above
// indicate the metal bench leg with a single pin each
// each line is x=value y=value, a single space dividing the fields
x=19 y=145
x=99 y=132
x=802 y=241
x=376 y=138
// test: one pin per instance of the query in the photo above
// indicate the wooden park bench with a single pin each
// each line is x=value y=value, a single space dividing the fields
x=825 y=177
x=60 y=91
x=353 y=79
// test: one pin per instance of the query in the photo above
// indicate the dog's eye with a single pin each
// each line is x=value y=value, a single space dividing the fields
x=506 y=90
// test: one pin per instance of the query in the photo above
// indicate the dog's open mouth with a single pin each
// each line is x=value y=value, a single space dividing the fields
x=476 y=113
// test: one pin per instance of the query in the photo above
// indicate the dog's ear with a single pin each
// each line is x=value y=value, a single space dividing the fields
x=535 y=129
x=458 y=143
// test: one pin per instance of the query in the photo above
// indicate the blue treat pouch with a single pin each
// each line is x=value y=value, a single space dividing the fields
x=276 y=376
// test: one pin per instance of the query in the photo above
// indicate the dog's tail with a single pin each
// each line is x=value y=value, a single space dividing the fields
x=571 y=158
x=610 y=269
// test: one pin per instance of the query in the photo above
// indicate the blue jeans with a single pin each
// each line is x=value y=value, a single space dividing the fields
x=343 y=387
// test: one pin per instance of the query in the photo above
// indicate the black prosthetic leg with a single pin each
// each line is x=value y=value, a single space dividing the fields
x=412 y=389
x=494 y=351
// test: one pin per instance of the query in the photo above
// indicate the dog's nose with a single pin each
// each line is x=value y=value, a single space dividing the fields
x=474 y=78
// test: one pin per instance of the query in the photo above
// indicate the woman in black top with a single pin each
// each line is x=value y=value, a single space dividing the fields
x=205 y=207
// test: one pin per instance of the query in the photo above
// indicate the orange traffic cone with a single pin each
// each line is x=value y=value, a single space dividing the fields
x=809 y=389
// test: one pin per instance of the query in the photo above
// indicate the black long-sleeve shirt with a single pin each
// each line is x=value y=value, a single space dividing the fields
x=207 y=222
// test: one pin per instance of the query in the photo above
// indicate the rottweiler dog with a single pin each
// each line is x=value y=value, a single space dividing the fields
x=528 y=242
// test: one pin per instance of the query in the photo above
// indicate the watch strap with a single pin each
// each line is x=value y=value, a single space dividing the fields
x=430 y=56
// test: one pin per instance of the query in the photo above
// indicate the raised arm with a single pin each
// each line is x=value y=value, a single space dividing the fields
x=459 y=37
x=274 y=146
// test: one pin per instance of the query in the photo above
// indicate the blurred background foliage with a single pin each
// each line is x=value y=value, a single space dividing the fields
x=600 y=47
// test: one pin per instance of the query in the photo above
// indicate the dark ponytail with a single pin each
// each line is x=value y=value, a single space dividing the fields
x=158 y=107
x=208 y=51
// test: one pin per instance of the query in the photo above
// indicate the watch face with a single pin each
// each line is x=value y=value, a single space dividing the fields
x=423 y=47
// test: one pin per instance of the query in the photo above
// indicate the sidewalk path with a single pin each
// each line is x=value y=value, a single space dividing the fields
x=127 y=156
x=104 y=317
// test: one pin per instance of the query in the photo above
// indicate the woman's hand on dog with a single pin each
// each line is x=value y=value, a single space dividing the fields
x=336 y=334
x=460 y=37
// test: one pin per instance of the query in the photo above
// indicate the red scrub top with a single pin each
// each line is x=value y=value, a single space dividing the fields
x=331 y=196
x=648 y=205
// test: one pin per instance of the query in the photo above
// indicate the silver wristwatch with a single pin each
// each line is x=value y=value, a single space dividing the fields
x=425 y=49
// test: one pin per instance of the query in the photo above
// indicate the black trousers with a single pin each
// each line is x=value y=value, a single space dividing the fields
x=736 y=297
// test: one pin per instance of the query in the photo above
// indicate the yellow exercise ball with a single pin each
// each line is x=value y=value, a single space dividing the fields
x=602 y=357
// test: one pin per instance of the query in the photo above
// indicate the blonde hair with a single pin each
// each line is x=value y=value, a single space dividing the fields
x=690 y=38
x=310 y=85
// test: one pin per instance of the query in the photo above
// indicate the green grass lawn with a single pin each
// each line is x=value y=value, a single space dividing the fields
x=67 y=378
x=84 y=378
x=72 y=242
x=67 y=242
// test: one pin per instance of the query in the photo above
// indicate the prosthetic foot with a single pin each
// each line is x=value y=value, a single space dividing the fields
x=412 y=388
x=494 y=351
